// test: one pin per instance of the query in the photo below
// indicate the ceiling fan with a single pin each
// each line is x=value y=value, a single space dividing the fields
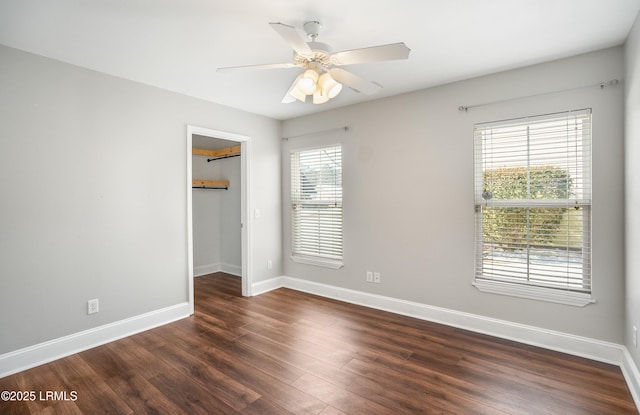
x=322 y=76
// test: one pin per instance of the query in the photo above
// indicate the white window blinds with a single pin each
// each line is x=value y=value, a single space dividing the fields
x=533 y=203
x=316 y=203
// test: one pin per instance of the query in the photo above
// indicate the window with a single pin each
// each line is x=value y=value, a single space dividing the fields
x=316 y=206
x=533 y=207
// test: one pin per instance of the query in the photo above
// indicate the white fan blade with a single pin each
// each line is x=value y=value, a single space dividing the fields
x=390 y=52
x=293 y=38
x=255 y=67
x=354 y=81
x=289 y=98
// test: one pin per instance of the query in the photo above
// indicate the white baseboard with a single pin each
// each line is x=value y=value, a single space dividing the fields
x=200 y=270
x=207 y=269
x=231 y=269
x=567 y=343
x=632 y=376
x=32 y=356
x=562 y=342
x=262 y=287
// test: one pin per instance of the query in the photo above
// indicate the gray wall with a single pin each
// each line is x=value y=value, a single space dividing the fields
x=632 y=186
x=230 y=241
x=206 y=216
x=408 y=192
x=93 y=202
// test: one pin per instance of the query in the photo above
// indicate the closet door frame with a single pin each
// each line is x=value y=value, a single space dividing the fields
x=245 y=204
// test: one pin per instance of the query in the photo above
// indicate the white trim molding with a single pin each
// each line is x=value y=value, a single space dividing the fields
x=552 y=295
x=631 y=375
x=535 y=336
x=593 y=349
x=231 y=269
x=200 y=270
x=245 y=205
x=319 y=262
x=271 y=284
x=32 y=356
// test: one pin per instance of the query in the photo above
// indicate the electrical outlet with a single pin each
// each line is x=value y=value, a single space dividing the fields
x=635 y=336
x=92 y=306
x=376 y=277
x=369 y=276
x=269 y=264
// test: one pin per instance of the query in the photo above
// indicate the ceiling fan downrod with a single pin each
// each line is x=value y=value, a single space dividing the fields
x=312 y=29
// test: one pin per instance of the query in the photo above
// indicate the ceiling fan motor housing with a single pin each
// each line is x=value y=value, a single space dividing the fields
x=321 y=54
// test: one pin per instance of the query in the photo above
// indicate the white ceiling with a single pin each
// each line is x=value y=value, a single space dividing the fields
x=178 y=44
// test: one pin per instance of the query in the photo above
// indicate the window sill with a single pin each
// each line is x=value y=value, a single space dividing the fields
x=550 y=295
x=320 y=262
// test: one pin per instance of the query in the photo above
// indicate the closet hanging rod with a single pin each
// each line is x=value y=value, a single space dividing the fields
x=211 y=188
x=210 y=184
x=222 y=157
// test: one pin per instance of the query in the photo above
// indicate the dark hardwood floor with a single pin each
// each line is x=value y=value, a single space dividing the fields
x=286 y=352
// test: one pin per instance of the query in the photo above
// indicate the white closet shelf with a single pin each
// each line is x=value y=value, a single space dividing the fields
x=221 y=153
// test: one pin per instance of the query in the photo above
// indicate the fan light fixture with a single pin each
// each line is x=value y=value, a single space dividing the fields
x=307 y=83
x=322 y=86
x=329 y=86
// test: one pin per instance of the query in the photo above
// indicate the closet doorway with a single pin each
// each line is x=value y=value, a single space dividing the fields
x=217 y=205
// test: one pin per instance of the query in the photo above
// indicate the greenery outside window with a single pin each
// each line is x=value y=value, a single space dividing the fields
x=316 y=206
x=533 y=207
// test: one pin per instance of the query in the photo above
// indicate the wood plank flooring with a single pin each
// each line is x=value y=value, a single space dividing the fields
x=286 y=352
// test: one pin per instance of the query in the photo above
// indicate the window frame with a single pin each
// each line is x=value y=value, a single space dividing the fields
x=327 y=261
x=523 y=288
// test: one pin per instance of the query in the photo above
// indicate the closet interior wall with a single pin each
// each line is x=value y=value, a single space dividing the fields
x=216 y=217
